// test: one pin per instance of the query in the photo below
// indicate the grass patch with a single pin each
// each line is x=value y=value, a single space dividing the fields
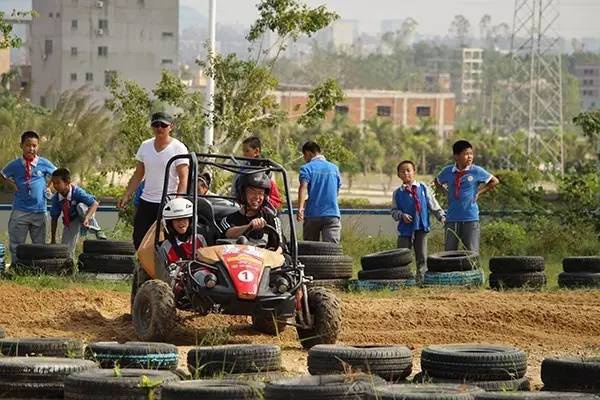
x=67 y=282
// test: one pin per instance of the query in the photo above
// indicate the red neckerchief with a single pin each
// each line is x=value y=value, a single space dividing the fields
x=457 y=177
x=413 y=191
x=28 y=168
x=66 y=211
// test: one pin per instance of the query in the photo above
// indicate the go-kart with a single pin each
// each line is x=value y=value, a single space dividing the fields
x=230 y=276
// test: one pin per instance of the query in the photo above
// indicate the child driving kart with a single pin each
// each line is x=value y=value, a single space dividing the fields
x=255 y=219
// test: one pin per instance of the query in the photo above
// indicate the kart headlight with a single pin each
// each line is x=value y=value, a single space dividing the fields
x=210 y=280
x=282 y=285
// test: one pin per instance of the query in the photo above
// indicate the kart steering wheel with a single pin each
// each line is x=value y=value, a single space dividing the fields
x=274 y=241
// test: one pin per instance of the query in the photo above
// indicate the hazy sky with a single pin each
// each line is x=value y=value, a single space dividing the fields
x=579 y=18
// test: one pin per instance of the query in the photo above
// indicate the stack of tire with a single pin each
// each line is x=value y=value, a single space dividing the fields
x=390 y=269
x=511 y=272
x=572 y=374
x=2 y=253
x=233 y=360
x=41 y=347
x=326 y=263
x=51 y=259
x=490 y=367
x=392 y=363
x=454 y=268
x=107 y=257
x=580 y=272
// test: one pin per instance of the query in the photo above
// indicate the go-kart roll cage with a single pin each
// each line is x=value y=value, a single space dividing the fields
x=236 y=165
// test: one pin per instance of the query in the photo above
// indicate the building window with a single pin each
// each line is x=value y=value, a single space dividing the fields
x=43 y=101
x=73 y=51
x=73 y=77
x=103 y=24
x=102 y=51
x=109 y=75
x=57 y=15
x=423 y=111
x=89 y=77
x=341 y=110
x=384 y=111
x=50 y=15
x=167 y=35
x=48 y=47
x=74 y=24
x=166 y=61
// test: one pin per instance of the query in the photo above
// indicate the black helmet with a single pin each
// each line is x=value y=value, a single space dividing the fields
x=258 y=180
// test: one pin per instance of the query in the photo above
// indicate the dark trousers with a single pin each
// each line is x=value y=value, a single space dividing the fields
x=145 y=216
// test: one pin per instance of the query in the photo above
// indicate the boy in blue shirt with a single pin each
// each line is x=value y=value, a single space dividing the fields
x=411 y=203
x=462 y=182
x=27 y=175
x=77 y=208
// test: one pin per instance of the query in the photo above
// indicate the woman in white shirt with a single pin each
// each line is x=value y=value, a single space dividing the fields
x=152 y=157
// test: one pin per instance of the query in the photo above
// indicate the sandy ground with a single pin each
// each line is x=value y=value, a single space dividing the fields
x=543 y=324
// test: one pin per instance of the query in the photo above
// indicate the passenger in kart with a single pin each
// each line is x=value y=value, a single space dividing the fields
x=255 y=214
x=178 y=227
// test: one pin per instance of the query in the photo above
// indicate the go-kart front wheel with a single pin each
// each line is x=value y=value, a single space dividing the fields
x=326 y=311
x=153 y=311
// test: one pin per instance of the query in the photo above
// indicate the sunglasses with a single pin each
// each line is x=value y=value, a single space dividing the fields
x=159 y=125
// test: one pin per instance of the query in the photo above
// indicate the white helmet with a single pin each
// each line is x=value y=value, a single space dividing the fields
x=178 y=208
x=175 y=209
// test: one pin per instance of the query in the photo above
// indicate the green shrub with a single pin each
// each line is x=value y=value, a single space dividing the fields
x=503 y=238
x=358 y=202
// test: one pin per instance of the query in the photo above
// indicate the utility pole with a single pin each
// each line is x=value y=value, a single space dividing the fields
x=209 y=129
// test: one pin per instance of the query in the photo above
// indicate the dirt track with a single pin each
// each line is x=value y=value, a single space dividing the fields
x=543 y=324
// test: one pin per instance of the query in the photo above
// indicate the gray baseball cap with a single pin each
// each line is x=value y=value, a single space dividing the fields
x=163 y=117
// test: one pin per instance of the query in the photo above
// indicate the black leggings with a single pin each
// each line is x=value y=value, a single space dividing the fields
x=145 y=216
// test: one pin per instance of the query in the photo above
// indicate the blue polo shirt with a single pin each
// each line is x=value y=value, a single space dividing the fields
x=75 y=196
x=463 y=208
x=324 y=182
x=31 y=195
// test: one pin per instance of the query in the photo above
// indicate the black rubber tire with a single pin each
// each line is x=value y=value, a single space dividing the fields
x=209 y=389
x=321 y=387
x=154 y=311
x=326 y=310
x=107 y=264
x=572 y=374
x=41 y=251
x=266 y=322
x=456 y=260
x=516 y=264
x=336 y=284
x=140 y=276
x=311 y=248
x=327 y=267
x=575 y=280
x=41 y=347
x=581 y=264
x=440 y=391
x=37 y=377
x=106 y=384
x=386 y=259
x=391 y=363
x=49 y=266
x=136 y=355
x=233 y=359
x=511 y=385
x=403 y=272
x=507 y=395
x=474 y=362
x=106 y=247
x=531 y=280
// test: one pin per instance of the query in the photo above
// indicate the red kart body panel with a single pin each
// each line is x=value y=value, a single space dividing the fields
x=245 y=265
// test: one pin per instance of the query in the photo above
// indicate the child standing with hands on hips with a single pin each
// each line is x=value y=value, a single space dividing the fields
x=411 y=204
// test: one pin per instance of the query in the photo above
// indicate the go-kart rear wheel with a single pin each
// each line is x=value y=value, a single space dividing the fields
x=154 y=311
x=326 y=311
x=266 y=322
